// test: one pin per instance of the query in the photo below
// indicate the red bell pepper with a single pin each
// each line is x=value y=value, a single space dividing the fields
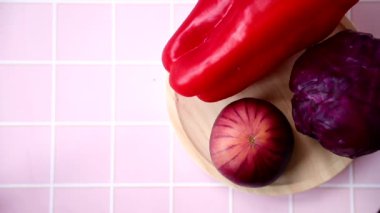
x=241 y=41
x=202 y=19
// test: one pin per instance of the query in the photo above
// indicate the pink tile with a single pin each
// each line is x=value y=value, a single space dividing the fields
x=82 y=154
x=81 y=200
x=326 y=200
x=141 y=200
x=143 y=39
x=25 y=156
x=365 y=167
x=31 y=200
x=201 y=199
x=365 y=16
x=181 y=11
x=84 y=31
x=185 y=167
x=367 y=200
x=247 y=202
x=141 y=93
x=142 y=154
x=25 y=31
x=25 y=92
x=83 y=93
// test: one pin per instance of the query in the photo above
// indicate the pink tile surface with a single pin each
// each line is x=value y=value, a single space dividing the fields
x=141 y=200
x=145 y=38
x=35 y=200
x=83 y=93
x=27 y=156
x=140 y=91
x=365 y=16
x=367 y=200
x=79 y=200
x=196 y=199
x=25 y=31
x=78 y=149
x=366 y=169
x=84 y=31
x=84 y=124
x=142 y=154
x=25 y=85
x=245 y=202
x=181 y=11
x=186 y=169
x=326 y=200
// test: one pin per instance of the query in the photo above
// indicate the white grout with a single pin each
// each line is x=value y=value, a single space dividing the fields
x=84 y=123
x=53 y=108
x=113 y=111
x=352 y=193
x=114 y=1
x=230 y=200
x=171 y=17
x=172 y=133
x=352 y=185
x=291 y=203
x=171 y=170
x=114 y=185
x=80 y=62
x=165 y=184
x=150 y=2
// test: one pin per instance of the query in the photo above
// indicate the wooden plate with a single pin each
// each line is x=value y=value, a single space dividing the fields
x=310 y=166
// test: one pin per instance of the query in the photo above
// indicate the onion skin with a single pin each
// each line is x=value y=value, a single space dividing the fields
x=251 y=142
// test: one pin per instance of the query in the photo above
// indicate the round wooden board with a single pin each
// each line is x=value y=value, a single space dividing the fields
x=310 y=165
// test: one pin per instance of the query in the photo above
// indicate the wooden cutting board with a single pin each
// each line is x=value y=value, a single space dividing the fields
x=310 y=165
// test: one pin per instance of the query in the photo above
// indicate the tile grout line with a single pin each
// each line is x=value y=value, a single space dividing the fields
x=230 y=200
x=352 y=193
x=349 y=185
x=291 y=203
x=172 y=133
x=108 y=185
x=80 y=62
x=87 y=1
x=155 y=184
x=113 y=109
x=115 y=1
x=171 y=170
x=53 y=107
x=86 y=123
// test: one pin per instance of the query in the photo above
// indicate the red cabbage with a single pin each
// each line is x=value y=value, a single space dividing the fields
x=336 y=100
